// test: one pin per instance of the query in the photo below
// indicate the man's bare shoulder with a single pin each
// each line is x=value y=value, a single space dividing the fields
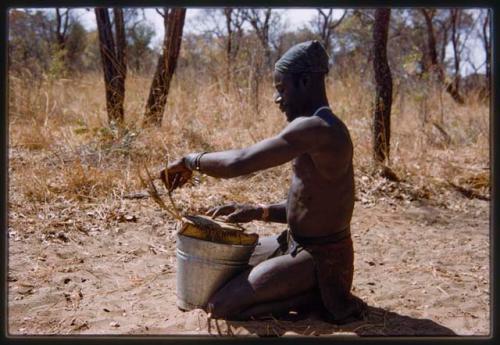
x=307 y=132
x=306 y=124
x=318 y=135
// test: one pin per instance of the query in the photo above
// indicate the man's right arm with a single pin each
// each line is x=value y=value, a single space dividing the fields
x=277 y=213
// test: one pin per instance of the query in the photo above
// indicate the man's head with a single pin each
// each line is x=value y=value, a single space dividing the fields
x=299 y=78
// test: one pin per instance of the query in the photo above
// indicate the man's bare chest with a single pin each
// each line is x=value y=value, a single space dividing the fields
x=304 y=168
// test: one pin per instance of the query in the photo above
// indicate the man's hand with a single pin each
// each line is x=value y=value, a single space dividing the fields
x=178 y=174
x=237 y=213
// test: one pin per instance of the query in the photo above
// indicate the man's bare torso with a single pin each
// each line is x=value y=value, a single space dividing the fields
x=321 y=196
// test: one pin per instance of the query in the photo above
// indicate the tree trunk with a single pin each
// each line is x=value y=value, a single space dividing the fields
x=157 y=100
x=121 y=62
x=328 y=26
x=260 y=22
x=444 y=40
x=487 y=49
x=434 y=66
x=229 y=61
x=62 y=26
x=454 y=87
x=383 y=88
x=113 y=62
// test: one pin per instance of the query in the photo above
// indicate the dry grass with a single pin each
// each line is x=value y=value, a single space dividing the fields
x=80 y=157
x=70 y=178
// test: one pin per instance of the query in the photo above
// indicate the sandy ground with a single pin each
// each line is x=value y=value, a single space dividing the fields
x=111 y=269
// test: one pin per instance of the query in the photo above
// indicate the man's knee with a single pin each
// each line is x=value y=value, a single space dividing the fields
x=228 y=302
x=220 y=308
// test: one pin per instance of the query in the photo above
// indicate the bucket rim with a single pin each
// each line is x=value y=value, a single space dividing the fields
x=221 y=244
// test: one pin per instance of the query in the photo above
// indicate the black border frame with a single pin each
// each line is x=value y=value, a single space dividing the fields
x=79 y=339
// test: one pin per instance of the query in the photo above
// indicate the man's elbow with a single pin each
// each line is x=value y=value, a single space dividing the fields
x=235 y=167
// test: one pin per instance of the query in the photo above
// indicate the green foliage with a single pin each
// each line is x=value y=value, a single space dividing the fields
x=57 y=68
x=75 y=46
x=91 y=58
x=139 y=39
x=30 y=42
x=33 y=45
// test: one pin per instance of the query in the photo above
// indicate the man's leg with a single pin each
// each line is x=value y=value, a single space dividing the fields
x=281 y=278
x=334 y=269
x=265 y=249
x=306 y=301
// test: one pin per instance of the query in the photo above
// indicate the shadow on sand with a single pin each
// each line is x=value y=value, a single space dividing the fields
x=378 y=322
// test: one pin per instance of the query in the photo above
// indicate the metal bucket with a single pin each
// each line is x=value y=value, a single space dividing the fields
x=203 y=267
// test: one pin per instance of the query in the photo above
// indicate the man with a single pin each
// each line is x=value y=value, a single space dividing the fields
x=318 y=209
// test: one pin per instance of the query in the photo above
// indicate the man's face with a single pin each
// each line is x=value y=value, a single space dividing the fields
x=289 y=95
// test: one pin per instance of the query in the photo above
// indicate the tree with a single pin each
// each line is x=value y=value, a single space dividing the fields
x=69 y=38
x=383 y=88
x=113 y=59
x=434 y=66
x=454 y=87
x=224 y=27
x=75 y=46
x=62 y=25
x=487 y=47
x=324 y=25
x=462 y=25
x=234 y=28
x=173 y=21
x=29 y=42
x=139 y=38
x=260 y=20
x=441 y=18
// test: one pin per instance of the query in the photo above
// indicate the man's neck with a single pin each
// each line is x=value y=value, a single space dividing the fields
x=315 y=106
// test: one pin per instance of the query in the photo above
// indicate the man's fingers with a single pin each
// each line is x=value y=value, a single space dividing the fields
x=175 y=182
x=182 y=181
x=164 y=178
x=217 y=212
x=233 y=218
x=222 y=211
x=238 y=217
x=211 y=211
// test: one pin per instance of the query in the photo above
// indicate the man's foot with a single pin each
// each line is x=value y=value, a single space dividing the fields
x=356 y=311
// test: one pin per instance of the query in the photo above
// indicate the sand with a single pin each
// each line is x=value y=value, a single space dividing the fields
x=111 y=269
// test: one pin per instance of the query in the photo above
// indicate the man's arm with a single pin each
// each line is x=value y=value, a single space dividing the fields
x=277 y=213
x=243 y=213
x=298 y=137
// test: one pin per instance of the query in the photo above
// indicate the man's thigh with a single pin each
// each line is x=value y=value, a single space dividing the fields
x=266 y=247
x=278 y=278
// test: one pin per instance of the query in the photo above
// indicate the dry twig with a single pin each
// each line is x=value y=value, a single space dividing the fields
x=150 y=186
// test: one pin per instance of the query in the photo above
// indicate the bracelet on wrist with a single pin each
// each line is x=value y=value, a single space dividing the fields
x=265 y=212
x=197 y=161
x=192 y=161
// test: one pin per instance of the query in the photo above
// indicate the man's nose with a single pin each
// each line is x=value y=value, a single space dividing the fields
x=277 y=98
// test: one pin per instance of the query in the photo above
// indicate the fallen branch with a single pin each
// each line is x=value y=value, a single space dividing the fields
x=139 y=195
x=468 y=193
x=441 y=130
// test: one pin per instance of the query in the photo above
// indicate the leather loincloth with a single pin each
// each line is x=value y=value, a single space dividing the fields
x=333 y=258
